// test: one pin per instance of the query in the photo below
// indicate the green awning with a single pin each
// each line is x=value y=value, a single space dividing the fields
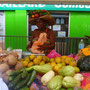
x=59 y=7
x=46 y=1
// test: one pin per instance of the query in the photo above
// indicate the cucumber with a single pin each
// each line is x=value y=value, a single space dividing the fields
x=24 y=88
x=15 y=81
x=11 y=78
x=30 y=69
x=32 y=77
x=22 y=83
x=15 y=72
x=24 y=74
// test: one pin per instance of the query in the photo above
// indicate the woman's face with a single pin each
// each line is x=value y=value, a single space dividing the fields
x=40 y=24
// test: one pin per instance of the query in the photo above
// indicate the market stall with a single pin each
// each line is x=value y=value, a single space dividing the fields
x=43 y=69
x=51 y=72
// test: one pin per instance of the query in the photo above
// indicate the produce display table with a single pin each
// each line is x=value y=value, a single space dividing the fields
x=37 y=85
x=33 y=65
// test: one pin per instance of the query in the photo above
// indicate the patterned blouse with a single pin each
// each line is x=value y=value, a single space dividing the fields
x=48 y=45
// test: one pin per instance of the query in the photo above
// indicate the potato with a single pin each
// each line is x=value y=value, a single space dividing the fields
x=14 y=54
x=5 y=60
x=19 y=65
x=3 y=67
x=11 y=60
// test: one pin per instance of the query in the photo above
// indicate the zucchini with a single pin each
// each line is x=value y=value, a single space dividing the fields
x=24 y=88
x=11 y=78
x=30 y=69
x=32 y=77
x=16 y=80
x=24 y=74
x=22 y=83
x=15 y=72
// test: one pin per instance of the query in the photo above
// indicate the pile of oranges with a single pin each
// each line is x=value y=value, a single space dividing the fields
x=56 y=63
x=62 y=61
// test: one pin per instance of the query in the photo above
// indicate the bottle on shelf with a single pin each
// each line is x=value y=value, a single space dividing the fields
x=81 y=44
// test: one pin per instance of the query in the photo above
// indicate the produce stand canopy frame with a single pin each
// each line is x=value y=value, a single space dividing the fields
x=83 y=2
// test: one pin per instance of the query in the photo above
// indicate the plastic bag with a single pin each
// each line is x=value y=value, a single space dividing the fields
x=86 y=82
x=53 y=54
x=3 y=86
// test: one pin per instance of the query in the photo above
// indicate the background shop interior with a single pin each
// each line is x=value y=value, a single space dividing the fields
x=70 y=25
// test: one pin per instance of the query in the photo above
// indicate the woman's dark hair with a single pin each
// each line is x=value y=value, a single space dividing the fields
x=42 y=21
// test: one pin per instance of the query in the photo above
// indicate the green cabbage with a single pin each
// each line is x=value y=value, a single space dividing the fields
x=55 y=83
x=69 y=81
x=67 y=71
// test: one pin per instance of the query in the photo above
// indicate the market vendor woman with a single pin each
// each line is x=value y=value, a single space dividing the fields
x=43 y=38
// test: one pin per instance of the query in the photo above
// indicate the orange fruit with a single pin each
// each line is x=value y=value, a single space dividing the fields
x=48 y=63
x=32 y=57
x=52 y=60
x=77 y=69
x=36 y=61
x=72 y=58
x=42 y=62
x=21 y=59
x=39 y=57
x=64 y=57
x=59 y=64
x=53 y=64
x=45 y=58
x=63 y=60
x=30 y=64
x=27 y=59
x=57 y=59
x=73 y=63
x=67 y=60
x=56 y=68
x=63 y=63
x=25 y=63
